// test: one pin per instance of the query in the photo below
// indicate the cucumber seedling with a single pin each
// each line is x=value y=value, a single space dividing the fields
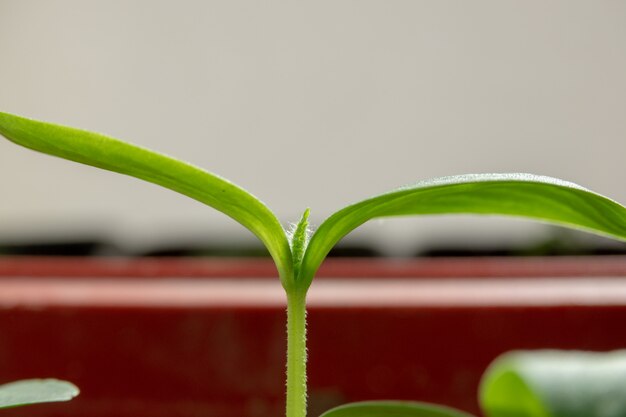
x=299 y=253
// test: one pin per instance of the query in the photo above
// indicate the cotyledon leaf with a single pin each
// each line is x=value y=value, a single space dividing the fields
x=34 y=391
x=393 y=409
x=523 y=195
x=551 y=383
x=115 y=155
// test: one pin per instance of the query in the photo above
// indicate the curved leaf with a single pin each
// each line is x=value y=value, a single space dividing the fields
x=114 y=155
x=393 y=409
x=33 y=391
x=524 y=195
x=555 y=384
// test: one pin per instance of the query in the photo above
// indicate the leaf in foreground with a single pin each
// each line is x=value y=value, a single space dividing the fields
x=393 y=409
x=115 y=155
x=552 y=383
x=522 y=195
x=33 y=391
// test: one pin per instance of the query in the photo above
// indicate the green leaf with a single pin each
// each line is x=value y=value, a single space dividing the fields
x=552 y=383
x=523 y=195
x=393 y=409
x=114 y=155
x=33 y=391
x=299 y=240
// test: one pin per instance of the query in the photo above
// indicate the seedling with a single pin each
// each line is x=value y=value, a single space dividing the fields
x=299 y=253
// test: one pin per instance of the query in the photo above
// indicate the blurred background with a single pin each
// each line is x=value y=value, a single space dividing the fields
x=306 y=104
x=309 y=104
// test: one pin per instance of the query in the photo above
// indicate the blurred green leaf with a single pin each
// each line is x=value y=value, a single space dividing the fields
x=393 y=409
x=523 y=195
x=555 y=384
x=33 y=391
x=114 y=155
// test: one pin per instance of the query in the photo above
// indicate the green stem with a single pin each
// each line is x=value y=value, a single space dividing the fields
x=296 y=353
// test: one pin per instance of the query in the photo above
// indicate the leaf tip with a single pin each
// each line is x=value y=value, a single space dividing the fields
x=299 y=238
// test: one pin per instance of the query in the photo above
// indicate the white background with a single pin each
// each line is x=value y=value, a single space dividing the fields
x=311 y=104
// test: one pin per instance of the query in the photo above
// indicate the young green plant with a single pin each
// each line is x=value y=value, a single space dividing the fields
x=298 y=256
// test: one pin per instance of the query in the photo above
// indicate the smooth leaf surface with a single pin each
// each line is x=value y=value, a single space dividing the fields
x=33 y=391
x=115 y=155
x=393 y=409
x=555 y=384
x=522 y=195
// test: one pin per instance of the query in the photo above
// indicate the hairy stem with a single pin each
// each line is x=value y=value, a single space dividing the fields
x=296 y=353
